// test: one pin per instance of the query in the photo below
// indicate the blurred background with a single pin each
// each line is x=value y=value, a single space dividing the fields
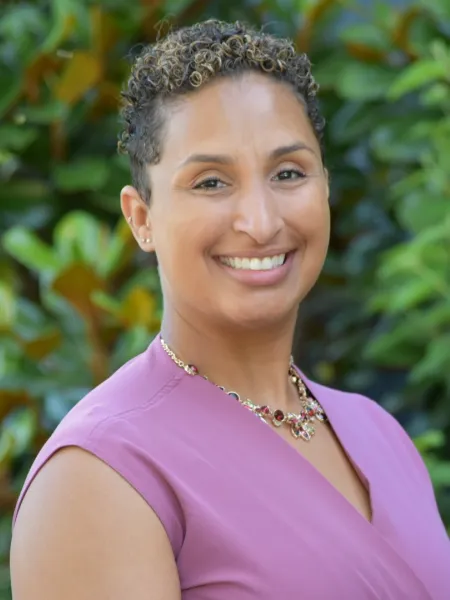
x=77 y=298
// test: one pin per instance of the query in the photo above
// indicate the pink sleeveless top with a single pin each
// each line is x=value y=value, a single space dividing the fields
x=247 y=516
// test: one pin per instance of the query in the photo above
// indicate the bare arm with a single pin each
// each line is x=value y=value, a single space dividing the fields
x=83 y=533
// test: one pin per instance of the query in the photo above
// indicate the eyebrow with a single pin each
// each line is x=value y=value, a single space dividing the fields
x=223 y=159
x=290 y=149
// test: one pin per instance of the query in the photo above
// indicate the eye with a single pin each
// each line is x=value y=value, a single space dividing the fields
x=289 y=175
x=211 y=183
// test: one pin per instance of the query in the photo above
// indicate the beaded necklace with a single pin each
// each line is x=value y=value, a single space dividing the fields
x=301 y=424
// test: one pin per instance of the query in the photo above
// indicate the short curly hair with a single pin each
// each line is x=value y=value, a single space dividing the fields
x=185 y=60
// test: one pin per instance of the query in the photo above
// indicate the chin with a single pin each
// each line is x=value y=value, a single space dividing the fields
x=261 y=315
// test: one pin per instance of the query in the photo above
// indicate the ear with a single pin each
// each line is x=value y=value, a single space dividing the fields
x=136 y=212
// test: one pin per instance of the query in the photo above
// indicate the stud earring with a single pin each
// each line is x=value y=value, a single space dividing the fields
x=146 y=240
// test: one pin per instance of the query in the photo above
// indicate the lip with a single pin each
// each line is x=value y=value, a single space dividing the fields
x=260 y=278
x=258 y=253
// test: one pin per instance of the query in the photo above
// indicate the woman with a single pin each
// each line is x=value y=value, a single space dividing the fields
x=160 y=484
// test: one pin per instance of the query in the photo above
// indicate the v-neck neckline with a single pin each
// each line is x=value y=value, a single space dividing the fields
x=335 y=424
x=344 y=410
x=335 y=413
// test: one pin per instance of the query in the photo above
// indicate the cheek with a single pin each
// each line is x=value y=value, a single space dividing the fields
x=182 y=239
x=312 y=216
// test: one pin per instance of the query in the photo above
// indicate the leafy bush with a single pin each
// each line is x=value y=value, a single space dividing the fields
x=75 y=298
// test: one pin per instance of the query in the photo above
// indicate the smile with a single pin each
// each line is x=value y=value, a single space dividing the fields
x=254 y=264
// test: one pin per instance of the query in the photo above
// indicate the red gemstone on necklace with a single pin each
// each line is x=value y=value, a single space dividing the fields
x=278 y=415
x=265 y=410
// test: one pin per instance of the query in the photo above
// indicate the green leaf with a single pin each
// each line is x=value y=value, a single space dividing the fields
x=438 y=318
x=17 y=435
x=366 y=34
x=31 y=319
x=435 y=361
x=414 y=218
x=392 y=143
x=21 y=195
x=83 y=174
x=176 y=6
x=409 y=295
x=116 y=253
x=415 y=76
x=22 y=21
x=17 y=137
x=108 y=303
x=383 y=15
x=430 y=440
x=437 y=94
x=79 y=236
x=6 y=447
x=132 y=342
x=8 y=306
x=64 y=20
x=408 y=185
x=11 y=87
x=329 y=70
x=440 y=8
x=353 y=121
x=59 y=401
x=440 y=51
x=400 y=347
x=358 y=81
x=439 y=473
x=147 y=278
x=400 y=259
x=44 y=114
x=29 y=250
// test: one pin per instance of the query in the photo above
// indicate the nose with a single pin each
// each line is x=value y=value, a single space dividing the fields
x=257 y=214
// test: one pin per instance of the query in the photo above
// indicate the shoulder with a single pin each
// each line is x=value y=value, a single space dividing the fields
x=366 y=412
x=140 y=384
x=120 y=422
x=127 y=405
x=90 y=522
x=365 y=408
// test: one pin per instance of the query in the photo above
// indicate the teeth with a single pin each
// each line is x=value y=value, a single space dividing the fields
x=254 y=264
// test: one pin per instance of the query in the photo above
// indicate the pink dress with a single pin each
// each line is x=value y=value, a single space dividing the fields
x=247 y=516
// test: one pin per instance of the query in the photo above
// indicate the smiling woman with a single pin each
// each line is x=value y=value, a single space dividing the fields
x=210 y=467
x=239 y=188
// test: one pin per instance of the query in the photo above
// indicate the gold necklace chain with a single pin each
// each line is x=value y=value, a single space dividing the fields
x=301 y=424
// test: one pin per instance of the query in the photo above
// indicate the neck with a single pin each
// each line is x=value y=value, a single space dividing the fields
x=253 y=363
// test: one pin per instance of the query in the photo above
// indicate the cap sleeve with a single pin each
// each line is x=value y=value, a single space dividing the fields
x=114 y=442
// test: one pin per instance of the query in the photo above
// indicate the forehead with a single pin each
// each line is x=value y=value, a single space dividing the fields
x=233 y=115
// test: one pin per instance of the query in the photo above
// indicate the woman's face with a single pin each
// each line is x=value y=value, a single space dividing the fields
x=239 y=211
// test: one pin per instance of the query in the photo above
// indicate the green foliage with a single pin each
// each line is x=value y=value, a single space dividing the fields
x=75 y=300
